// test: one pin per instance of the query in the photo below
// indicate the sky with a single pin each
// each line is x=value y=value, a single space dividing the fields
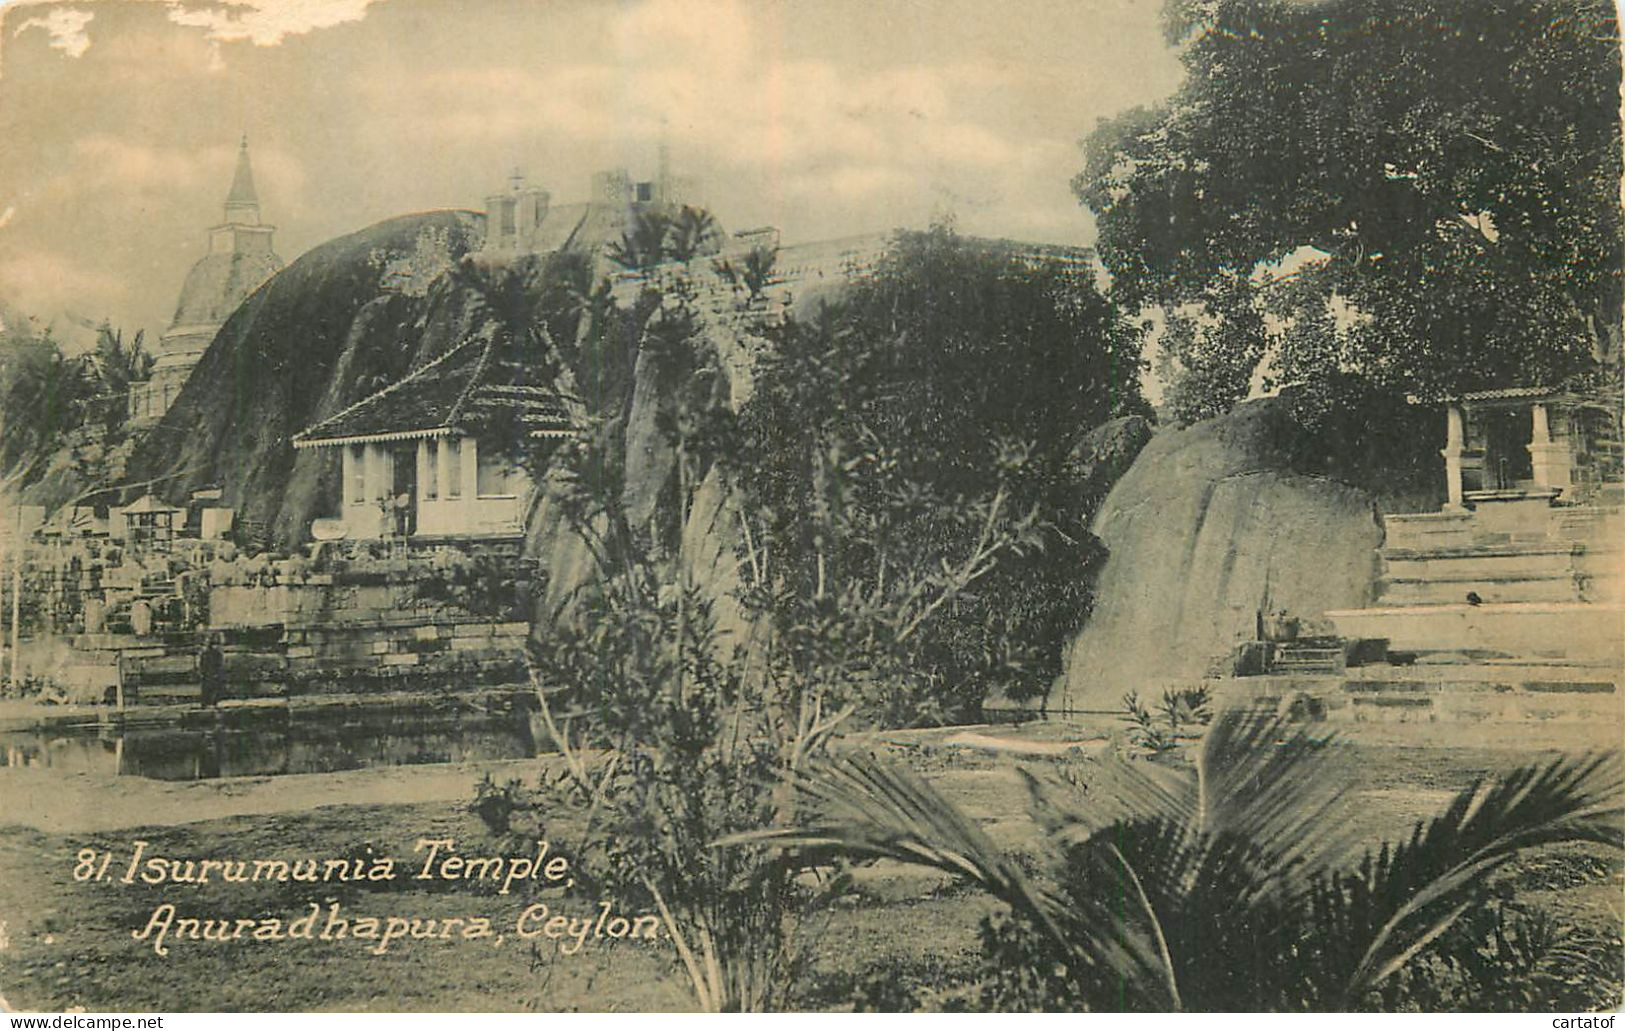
x=119 y=119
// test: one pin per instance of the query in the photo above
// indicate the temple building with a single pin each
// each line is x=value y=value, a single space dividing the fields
x=239 y=260
x=1522 y=568
x=524 y=220
x=412 y=459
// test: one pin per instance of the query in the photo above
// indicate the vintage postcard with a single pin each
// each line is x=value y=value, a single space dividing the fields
x=811 y=505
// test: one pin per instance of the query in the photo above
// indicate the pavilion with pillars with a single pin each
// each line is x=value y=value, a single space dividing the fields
x=1531 y=443
x=412 y=458
x=1524 y=568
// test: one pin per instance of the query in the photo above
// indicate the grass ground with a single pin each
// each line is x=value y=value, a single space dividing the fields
x=68 y=943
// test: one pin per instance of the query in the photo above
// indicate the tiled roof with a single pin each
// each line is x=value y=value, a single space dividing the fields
x=440 y=397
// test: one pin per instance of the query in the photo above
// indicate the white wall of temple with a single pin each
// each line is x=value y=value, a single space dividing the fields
x=367 y=471
x=457 y=492
x=462 y=493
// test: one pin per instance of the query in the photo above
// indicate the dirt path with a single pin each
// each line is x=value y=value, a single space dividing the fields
x=48 y=800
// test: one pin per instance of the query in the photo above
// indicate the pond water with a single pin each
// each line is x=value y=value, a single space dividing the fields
x=307 y=744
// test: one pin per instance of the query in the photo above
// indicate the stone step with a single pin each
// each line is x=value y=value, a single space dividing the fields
x=1502 y=526
x=1308 y=659
x=1454 y=590
x=1454 y=698
x=1501 y=546
x=1501 y=566
x=1495 y=673
x=1575 y=630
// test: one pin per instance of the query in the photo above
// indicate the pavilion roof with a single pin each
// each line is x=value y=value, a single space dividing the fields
x=442 y=397
x=1506 y=394
x=147 y=503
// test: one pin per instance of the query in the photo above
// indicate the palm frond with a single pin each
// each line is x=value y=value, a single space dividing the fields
x=866 y=808
x=1112 y=932
x=1083 y=798
x=1271 y=783
x=1413 y=893
x=1117 y=926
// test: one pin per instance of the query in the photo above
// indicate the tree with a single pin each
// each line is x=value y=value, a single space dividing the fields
x=905 y=455
x=1423 y=194
x=644 y=243
x=117 y=366
x=1227 y=887
x=675 y=740
x=533 y=310
x=693 y=231
x=679 y=736
x=43 y=398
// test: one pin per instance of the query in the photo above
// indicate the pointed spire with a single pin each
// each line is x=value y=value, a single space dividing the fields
x=243 y=203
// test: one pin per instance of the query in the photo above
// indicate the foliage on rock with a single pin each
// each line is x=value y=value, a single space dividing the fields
x=905 y=460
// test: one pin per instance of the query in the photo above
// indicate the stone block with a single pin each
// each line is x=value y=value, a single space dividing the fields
x=165 y=664
x=401 y=659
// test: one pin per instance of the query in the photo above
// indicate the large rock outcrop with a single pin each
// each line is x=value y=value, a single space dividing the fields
x=1209 y=526
x=341 y=321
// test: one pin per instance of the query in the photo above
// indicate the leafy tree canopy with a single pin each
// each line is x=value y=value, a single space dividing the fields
x=927 y=419
x=65 y=412
x=1420 y=193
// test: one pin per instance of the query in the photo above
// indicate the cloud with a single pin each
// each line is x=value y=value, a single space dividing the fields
x=113 y=166
x=265 y=22
x=810 y=141
x=44 y=281
x=825 y=119
x=106 y=161
x=65 y=26
x=261 y=22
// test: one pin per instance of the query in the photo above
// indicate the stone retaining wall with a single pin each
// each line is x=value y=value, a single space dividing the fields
x=444 y=653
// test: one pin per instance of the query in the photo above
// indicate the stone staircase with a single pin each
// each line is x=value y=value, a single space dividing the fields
x=1307 y=659
x=1511 y=611
x=1529 y=553
x=1511 y=579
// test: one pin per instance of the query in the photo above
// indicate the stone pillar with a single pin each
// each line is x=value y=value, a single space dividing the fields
x=1550 y=460
x=379 y=473
x=1453 y=445
x=442 y=467
x=423 y=468
x=470 y=470
x=347 y=476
